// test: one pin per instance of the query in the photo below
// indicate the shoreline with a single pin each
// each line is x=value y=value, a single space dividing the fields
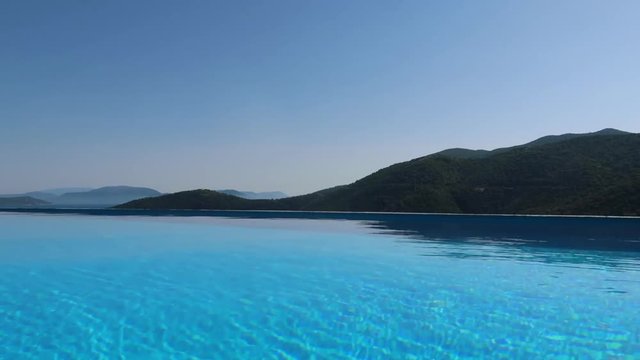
x=282 y=213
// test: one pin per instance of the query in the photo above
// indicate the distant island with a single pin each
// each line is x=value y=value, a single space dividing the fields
x=593 y=174
x=103 y=197
x=107 y=196
x=21 y=202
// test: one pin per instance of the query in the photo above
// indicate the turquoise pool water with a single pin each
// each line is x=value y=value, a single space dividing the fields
x=362 y=287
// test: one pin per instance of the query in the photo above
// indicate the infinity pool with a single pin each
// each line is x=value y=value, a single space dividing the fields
x=361 y=287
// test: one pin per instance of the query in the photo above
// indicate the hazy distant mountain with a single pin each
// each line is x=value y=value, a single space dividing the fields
x=34 y=194
x=60 y=191
x=105 y=196
x=41 y=195
x=102 y=197
x=21 y=201
x=595 y=173
x=49 y=195
x=254 y=195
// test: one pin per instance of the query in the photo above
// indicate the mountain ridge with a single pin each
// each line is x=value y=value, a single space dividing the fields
x=566 y=174
x=548 y=139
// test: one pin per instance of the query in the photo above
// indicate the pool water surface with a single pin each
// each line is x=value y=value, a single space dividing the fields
x=135 y=287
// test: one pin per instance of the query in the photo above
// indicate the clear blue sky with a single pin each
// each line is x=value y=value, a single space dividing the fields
x=297 y=95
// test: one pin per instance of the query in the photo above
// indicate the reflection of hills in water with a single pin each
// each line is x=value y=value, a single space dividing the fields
x=582 y=233
x=611 y=242
x=590 y=241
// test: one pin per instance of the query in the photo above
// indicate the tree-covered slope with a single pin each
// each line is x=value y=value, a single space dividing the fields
x=210 y=199
x=194 y=199
x=598 y=174
x=267 y=195
x=461 y=153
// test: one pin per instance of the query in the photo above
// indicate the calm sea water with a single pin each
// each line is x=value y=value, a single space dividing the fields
x=361 y=287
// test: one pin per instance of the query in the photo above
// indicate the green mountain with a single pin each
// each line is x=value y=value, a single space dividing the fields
x=596 y=173
x=20 y=202
x=254 y=195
